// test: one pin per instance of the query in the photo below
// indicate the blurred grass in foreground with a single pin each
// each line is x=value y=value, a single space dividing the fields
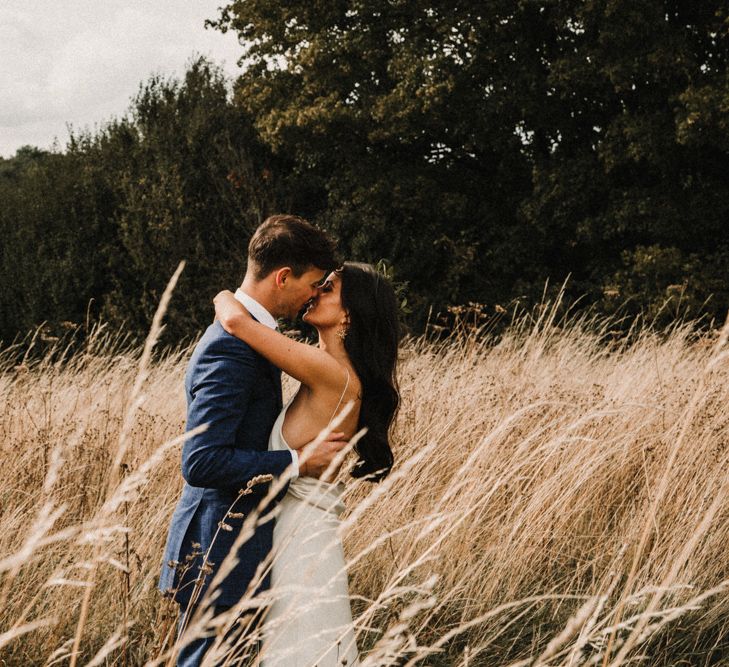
x=558 y=499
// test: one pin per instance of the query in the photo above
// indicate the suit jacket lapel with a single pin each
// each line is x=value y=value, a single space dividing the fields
x=276 y=377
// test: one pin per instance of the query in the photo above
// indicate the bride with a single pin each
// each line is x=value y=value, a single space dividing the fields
x=355 y=314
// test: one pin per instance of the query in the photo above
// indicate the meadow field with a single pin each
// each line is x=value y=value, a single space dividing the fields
x=559 y=498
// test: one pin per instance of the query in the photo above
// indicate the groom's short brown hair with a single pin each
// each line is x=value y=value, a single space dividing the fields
x=288 y=240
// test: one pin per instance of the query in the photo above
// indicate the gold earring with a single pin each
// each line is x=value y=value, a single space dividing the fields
x=343 y=330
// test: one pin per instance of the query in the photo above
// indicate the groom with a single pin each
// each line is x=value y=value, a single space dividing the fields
x=237 y=393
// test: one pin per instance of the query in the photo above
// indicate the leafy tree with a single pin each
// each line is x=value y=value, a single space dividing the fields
x=52 y=224
x=192 y=185
x=480 y=148
x=486 y=148
x=617 y=168
x=103 y=225
x=395 y=135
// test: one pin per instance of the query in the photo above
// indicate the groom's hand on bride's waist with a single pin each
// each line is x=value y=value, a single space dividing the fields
x=315 y=458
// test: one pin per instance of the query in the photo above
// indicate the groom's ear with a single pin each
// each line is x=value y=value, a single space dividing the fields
x=282 y=275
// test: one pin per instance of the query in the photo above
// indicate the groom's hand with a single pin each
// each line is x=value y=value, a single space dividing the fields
x=315 y=459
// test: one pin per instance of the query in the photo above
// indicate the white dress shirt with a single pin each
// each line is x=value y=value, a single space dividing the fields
x=264 y=317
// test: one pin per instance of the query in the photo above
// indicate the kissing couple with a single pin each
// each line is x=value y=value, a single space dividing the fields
x=250 y=486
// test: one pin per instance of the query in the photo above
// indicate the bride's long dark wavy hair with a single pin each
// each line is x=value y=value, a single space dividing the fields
x=371 y=343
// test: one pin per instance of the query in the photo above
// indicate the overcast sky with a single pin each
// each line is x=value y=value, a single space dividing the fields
x=80 y=61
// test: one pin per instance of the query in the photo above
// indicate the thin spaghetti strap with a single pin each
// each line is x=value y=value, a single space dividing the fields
x=341 y=398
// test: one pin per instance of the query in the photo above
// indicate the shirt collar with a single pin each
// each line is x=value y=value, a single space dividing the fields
x=256 y=309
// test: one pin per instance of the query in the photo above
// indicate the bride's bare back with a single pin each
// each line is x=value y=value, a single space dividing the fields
x=314 y=407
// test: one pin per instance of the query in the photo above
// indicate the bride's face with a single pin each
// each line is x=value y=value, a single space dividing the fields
x=326 y=308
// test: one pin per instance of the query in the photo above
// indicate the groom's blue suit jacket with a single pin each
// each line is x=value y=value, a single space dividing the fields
x=237 y=393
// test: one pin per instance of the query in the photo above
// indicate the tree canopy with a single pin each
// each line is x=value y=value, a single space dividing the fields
x=179 y=177
x=485 y=147
x=480 y=148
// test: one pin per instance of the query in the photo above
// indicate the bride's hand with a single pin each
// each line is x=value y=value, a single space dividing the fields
x=229 y=310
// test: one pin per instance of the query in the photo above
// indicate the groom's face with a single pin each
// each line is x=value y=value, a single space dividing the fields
x=295 y=292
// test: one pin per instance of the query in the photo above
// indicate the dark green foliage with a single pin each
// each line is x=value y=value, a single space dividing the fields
x=192 y=186
x=182 y=177
x=486 y=147
x=481 y=148
x=384 y=115
x=56 y=231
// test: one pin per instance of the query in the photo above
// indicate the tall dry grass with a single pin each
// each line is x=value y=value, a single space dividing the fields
x=557 y=500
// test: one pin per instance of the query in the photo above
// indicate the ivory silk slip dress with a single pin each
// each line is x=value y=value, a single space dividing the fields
x=309 y=622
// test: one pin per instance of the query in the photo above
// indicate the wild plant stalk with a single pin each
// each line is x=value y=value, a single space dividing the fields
x=135 y=401
x=718 y=354
x=511 y=531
